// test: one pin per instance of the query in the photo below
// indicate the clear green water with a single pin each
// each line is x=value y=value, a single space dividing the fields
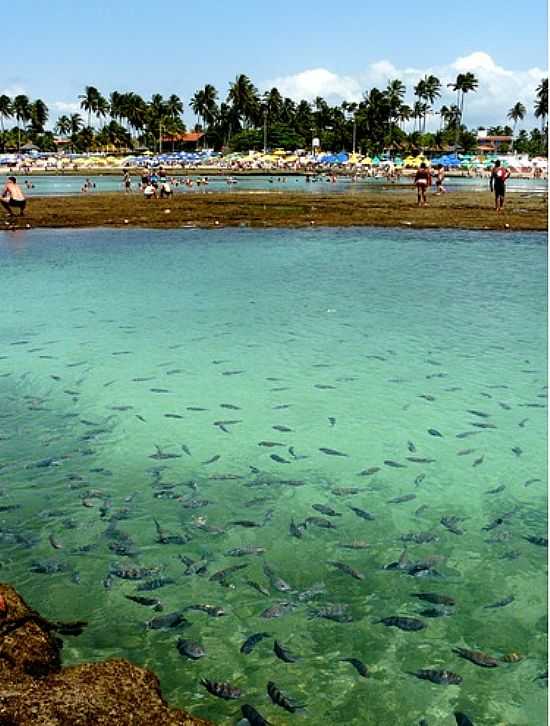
x=390 y=334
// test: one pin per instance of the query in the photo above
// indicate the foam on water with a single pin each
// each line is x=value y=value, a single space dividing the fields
x=358 y=341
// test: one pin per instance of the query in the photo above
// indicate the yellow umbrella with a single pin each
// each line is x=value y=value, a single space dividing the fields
x=367 y=160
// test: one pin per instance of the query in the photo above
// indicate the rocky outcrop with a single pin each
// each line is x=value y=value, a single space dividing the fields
x=35 y=689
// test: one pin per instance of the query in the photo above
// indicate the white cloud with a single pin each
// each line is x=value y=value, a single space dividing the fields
x=64 y=107
x=499 y=88
x=317 y=82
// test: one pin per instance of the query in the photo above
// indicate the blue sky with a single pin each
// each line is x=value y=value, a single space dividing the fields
x=55 y=48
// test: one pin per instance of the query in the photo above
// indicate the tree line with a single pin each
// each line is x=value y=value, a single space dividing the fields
x=247 y=119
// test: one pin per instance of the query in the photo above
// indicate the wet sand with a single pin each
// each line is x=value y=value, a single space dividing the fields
x=392 y=208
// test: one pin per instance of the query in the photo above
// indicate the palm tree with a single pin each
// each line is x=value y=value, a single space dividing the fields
x=76 y=123
x=63 y=125
x=102 y=107
x=204 y=106
x=174 y=106
x=515 y=114
x=541 y=104
x=38 y=113
x=89 y=101
x=243 y=96
x=22 y=111
x=6 y=111
x=465 y=82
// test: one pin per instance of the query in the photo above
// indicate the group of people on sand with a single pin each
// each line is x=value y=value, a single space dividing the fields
x=424 y=175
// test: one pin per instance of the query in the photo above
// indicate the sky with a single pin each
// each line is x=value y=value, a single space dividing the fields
x=305 y=48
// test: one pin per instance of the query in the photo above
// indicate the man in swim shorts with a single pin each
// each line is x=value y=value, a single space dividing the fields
x=499 y=175
x=13 y=197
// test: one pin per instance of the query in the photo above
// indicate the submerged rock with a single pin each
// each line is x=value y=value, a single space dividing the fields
x=37 y=690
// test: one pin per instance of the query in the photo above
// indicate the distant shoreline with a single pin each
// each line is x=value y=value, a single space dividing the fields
x=214 y=171
x=262 y=209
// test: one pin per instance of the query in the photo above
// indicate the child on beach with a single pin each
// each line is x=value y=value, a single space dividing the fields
x=422 y=180
x=439 y=179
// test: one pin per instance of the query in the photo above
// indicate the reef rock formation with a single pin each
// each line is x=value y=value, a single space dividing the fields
x=35 y=689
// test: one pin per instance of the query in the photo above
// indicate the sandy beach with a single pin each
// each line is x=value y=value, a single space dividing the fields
x=460 y=210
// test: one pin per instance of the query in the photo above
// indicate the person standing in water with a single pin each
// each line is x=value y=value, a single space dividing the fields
x=439 y=179
x=499 y=175
x=422 y=180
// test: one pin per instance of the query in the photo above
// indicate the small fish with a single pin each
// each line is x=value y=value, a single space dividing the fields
x=434 y=597
x=500 y=603
x=253 y=717
x=522 y=423
x=411 y=447
x=402 y=498
x=394 y=464
x=221 y=575
x=465 y=434
x=465 y=452
x=270 y=444
x=148 y=602
x=362 y=513
x=277 y=611
x=335 y=613
x=332 y=452
x=435 y=432
x=497 y=490
x=323 y=387
x=213 y=611
x=155 y=584
x=190 y=648
x=320 y=522
x=451 y=523
x=531 y=481
x=212 y=460
x=355 y=545
x=444 y=678
x=280 y=699
x=481 y=414
x=171 y=620
x=173 y=415
x=359 y=666
x=403 y=623
x=420 y=460
x=331 y=420
x=295 y=455
x=185 y=449
x=462 y=719
x=259 y=588
x=370 y=471
x=55 y=543
x=284 y=429
x=345 y=491
x=325 y=510
x=296 y=530
x=283 y=653
x=435 y=612
x=477 y=657
x=230 y=406
x=346 y=569
x=479 y=461
x=242 y=551
x=251 y=642
x=512 y=657
x=159 y=390
x=279 y=459
x=244 y=523
x=540 y=541
x=221 y=690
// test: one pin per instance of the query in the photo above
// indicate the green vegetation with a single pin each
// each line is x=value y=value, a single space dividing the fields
x=250 y=120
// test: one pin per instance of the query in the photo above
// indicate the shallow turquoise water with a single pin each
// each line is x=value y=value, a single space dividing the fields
x=65 y=185
x=358 y=341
